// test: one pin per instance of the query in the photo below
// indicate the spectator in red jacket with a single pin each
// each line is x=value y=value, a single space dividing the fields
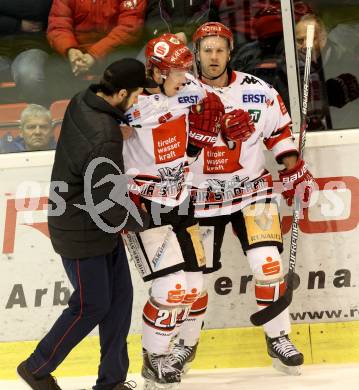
x=90 y=34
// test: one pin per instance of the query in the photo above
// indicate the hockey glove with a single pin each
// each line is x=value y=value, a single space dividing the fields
x=237 y=125
x=342 y=89
x=297 y=181
x=205 y=121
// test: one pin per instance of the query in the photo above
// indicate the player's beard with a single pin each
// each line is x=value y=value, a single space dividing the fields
x=209 y=74
x=124 y=106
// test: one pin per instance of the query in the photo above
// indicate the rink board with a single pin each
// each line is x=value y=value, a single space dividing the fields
x=218 y=348
x=34 y=288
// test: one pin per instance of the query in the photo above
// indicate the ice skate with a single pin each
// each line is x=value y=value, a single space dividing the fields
x=285 y=356
x=183 y=356
x=159 y=373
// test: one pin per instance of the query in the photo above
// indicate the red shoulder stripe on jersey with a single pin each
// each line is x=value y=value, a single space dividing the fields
x=278 y=136
x=233 y=77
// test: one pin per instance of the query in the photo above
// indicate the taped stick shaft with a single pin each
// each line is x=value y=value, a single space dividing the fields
x=267 y=314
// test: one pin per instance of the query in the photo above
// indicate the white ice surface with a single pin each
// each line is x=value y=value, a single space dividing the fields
x=318 y=377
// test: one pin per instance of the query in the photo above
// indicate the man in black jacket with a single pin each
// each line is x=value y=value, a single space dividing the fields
x=89 y=206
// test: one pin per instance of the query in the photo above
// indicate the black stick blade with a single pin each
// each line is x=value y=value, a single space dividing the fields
x=265 y=315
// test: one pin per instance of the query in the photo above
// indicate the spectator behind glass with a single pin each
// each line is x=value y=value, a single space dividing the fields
x=334 y=102
x=175 y=16
x=23 y=47
x=88 y=35
x=265 y=57
x=36 y=132
x=239 y=16
x=180 y=17
x=262 y=58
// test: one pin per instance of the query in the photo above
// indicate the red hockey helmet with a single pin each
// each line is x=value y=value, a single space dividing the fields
x=168 y=52
x=213 y=29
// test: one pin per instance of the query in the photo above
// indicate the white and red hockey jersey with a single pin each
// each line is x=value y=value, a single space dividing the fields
x=228 y=180
x=155 y=155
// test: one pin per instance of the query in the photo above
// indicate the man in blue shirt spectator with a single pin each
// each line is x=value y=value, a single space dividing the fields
x=36 y=132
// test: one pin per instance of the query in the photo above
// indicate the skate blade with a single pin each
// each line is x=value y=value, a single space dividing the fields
x=288 y=370
x=151 y=385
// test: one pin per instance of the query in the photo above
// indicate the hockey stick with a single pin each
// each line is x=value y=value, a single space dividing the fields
x=132 y=239
x=273 y=310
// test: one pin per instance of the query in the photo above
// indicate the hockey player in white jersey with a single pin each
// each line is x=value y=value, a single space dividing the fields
x=234 y=187
x=178 y=117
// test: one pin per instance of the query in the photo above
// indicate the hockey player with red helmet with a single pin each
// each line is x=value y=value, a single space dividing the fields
x=234 y=187
x=170 y=123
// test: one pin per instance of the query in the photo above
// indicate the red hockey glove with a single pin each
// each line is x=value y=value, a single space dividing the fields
x=237 y=125
x=205 y=121
x=297 y=181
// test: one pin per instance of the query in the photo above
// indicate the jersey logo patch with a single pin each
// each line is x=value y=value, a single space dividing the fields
x=131 y=116
x=192 y=99
x=250 y=80
x=262 y=223
x=136 y=114
x=255 y=115
x=220 y=159
x=164 y=118
x=172 y=174
x=172 y=180
x=254 y=98
x=169 y=140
